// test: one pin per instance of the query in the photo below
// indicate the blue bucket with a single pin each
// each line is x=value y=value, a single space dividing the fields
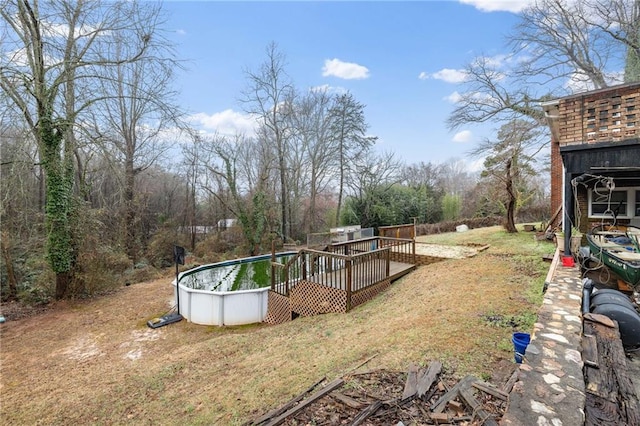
x=520 y=343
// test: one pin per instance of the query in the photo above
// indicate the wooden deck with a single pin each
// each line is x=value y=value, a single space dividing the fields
x=361 y=280
x=343 y=276
x=332 y=279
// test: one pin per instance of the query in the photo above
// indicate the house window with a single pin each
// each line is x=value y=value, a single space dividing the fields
x=624 y=201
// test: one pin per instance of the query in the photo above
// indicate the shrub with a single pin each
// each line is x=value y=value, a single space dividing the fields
x=450 y=226
x=214 y=247
x=160 y=249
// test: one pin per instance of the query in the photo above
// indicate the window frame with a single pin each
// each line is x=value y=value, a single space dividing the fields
x=632 y=204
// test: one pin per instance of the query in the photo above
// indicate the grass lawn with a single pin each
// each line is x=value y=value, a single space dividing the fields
x=97 y=362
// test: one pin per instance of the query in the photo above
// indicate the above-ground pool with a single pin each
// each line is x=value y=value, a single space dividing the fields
x=233 y=292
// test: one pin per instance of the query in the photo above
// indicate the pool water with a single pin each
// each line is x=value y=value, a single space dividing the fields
x=244 y=274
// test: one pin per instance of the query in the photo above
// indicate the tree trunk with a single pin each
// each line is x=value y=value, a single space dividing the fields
x=511 y=202
x=59 y=189
x=342 y=172
x=12 y=282
x=129 y=217
x=283 y=194
x=63 y=279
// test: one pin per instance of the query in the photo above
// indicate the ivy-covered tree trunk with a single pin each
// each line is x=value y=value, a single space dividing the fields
x=253 y=221
x=58 y=166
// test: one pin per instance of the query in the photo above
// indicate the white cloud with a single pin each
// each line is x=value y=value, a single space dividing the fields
x=514 y=6
x=423 y=76
x=454 y=98
x=447 y=74
x=328 y=89
x=497 y=61
x=227 y=122
x=181 y=32
x=463 y=136
x=346 y=70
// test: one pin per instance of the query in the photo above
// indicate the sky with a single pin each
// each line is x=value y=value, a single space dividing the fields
x=402 y=60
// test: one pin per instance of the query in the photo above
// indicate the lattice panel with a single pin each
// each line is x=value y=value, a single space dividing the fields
x=423 y=259
x=369 y=293
x=396 y=256
x=278 y=309
x=308 y=299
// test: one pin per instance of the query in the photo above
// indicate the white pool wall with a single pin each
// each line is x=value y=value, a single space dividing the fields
x=223 y=307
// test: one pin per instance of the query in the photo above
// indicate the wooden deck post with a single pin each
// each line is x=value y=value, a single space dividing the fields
x=348 y=265
x=413 y=251
x=304 y=266
x=273 y=268
x=387 y=257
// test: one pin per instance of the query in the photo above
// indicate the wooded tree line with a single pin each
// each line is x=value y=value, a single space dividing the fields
x=101 y=174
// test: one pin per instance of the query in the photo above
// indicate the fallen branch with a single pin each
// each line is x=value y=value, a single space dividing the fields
x=284 y=407
x=322 y=392
x=361 y=364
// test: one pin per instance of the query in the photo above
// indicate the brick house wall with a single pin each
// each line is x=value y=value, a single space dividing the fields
x=591 y=121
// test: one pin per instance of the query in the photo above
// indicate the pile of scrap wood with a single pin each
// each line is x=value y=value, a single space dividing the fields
x=611 y=398
x=419 y=396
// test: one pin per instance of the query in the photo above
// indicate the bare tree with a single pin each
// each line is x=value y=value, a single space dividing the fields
x=138 y=106
x=220 y=160
x=269 y=97
x=371 y=170
x=349 y=128
x=311 y=131
x=48 y=67
x=559 y=46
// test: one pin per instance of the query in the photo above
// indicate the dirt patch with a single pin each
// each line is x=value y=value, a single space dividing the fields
x=447 y=252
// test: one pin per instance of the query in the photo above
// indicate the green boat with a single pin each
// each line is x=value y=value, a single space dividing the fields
x=618 y=249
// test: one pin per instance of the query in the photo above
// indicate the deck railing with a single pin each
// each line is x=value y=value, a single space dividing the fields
x=351 y=266
x=398 y=231
x=402 y=249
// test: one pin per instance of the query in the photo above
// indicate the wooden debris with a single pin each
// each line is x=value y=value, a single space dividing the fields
x=467 y=396
x=512 y=381
x=440 y=404
x=590 y=350
x=347 y=400
x=600 y=319
x=439 y=417
x=322 y=392
x=426 y=381
x=491 y=390
x=273 y=413
x=456 y=406
x=419 y=382
x=610 y=397
x=391 y=397
x=411 y=385
x=364 y=414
